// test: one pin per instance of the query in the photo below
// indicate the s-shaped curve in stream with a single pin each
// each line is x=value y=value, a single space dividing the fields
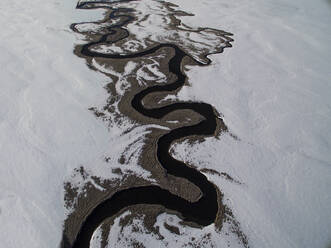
x=204 y=211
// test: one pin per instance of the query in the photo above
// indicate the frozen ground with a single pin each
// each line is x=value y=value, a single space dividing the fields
x=46 y=129
x=273 y=88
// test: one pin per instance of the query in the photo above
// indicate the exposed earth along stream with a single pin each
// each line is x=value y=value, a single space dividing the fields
x=201 y=208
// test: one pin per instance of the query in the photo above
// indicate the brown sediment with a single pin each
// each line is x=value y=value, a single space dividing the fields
x=83 y=205
x=172 y=229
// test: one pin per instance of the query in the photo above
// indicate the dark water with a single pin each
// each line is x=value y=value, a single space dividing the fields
x=203 y=211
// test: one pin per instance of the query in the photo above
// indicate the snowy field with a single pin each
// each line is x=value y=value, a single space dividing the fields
x=273 y=88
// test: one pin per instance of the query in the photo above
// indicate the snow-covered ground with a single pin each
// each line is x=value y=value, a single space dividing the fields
x=46 y=129
x=273 y=88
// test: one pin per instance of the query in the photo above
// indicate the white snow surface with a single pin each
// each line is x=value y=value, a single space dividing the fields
x=46 y=129
x=273 y=89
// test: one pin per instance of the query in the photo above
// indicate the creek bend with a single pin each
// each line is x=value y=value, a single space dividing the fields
x=203 y=211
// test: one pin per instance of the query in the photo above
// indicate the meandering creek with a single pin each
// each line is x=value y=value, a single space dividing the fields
x=203 y=211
